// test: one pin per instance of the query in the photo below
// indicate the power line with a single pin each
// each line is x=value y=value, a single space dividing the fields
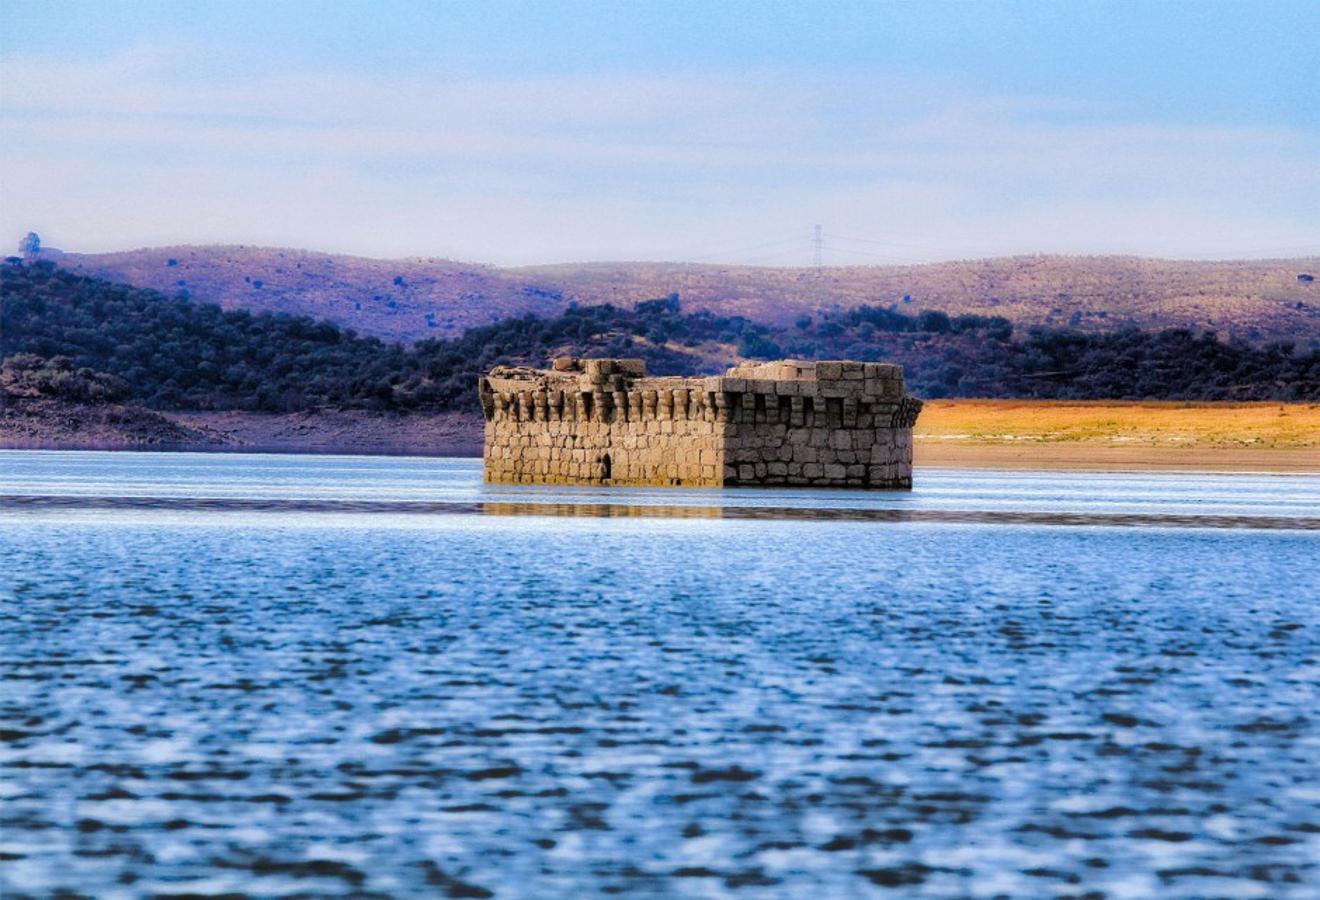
x=786 y=256
x=727 y=252
x=885 y=257
x=928 y=247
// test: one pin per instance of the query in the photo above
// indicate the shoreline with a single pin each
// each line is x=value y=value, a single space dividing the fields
x=978 y=434
x=1056 y=458
x=1090 y=458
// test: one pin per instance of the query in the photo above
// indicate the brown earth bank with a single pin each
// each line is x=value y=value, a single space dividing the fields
x=56 y=424
x=950 y=433
x=61 y=425
x=412 y=299
x=346 y=431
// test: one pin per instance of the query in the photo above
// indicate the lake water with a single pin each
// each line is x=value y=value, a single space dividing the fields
x=276 y=675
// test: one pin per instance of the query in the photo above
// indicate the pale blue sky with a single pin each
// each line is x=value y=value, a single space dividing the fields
x=531 y=132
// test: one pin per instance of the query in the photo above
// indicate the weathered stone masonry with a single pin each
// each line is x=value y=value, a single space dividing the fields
x=602 y=421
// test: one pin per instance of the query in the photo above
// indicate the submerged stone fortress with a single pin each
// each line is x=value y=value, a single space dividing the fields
x=602 y=421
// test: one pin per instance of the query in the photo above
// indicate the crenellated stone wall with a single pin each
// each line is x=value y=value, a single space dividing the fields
x=603 y=421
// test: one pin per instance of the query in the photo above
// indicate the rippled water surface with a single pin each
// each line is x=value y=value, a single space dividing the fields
x=278 y=675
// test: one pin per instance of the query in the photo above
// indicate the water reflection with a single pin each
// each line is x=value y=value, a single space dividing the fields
x=20 y=503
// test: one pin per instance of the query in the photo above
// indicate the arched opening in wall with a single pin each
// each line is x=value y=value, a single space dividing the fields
x=605 y=467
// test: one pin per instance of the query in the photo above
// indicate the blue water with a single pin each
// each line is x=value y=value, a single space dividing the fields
x=280 y=675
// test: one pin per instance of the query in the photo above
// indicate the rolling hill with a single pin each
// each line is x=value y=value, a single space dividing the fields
x=412 y=299
x=82 y=339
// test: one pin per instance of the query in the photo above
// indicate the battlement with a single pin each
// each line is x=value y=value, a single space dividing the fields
x=599 y=421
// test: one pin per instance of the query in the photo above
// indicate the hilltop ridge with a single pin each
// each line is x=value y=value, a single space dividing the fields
x=416 y=298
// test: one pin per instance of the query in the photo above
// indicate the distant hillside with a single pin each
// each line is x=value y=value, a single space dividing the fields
x=412 y=299
x=73 y=338
x=1261 y=299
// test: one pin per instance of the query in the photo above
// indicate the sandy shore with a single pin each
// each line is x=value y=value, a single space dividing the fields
x=1026 y=434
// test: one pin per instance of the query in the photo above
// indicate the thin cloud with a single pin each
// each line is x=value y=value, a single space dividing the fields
x=142 y=148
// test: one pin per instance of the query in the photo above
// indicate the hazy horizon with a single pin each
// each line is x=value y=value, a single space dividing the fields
x=48 y=246
x=527 y=134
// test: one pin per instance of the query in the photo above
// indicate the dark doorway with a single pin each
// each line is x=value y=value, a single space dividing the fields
x=605 y=467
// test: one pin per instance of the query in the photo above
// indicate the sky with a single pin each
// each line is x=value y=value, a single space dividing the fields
x=520 y=133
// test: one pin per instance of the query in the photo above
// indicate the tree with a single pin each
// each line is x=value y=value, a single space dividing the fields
x=935 y=321
x=30 y=246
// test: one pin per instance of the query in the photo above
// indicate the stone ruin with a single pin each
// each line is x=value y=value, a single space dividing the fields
x=604 y=422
